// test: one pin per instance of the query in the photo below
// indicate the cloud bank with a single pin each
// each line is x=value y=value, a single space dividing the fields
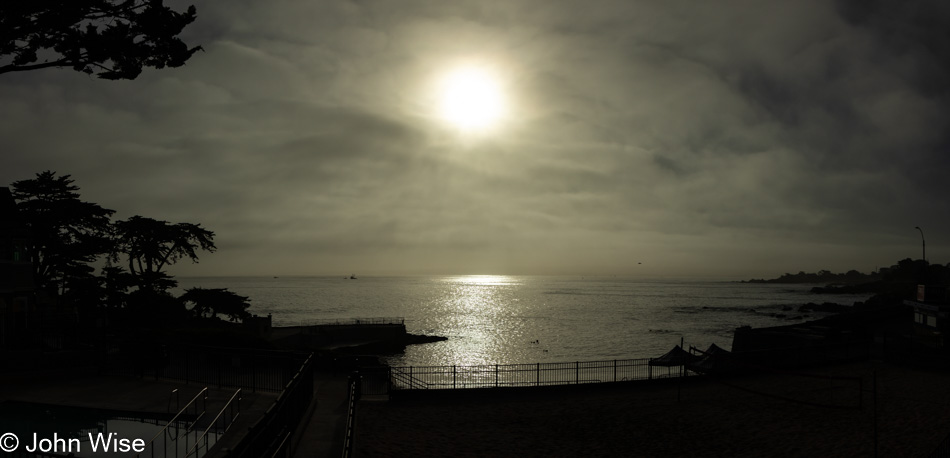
x=737 y=139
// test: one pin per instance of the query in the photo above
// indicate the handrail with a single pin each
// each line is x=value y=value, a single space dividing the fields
x=491 y=367
x=350 y=419
x=942 y=450
x=602 y=371
x=211 y=425
x=408 y=379
x=177 y=396
x=282 y=444
x=513 y=375
x=172 y=421
x=284 y=414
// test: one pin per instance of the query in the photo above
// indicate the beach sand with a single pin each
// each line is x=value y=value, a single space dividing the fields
x=642 y=419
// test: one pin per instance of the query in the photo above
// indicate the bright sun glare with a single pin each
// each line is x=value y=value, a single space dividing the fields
x=471 y=98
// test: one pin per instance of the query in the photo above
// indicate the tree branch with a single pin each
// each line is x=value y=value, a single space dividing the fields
x=167 y=254
x=22 y=68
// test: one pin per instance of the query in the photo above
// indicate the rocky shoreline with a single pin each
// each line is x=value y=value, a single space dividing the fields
x=354 y=338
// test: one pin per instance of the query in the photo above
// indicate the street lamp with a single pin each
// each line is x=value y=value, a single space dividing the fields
x=923 y=243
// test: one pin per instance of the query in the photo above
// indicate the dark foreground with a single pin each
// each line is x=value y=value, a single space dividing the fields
x=752 y=416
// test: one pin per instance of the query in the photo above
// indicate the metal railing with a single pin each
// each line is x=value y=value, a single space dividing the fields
x=252 y=370
x=581 y=372
x=269 y=436
x=288 y=373
x=350 y=426
x=373 y=321
x=522 y=375
x=169 y=437
x=220 y=424
x=283 y=449
x=404 y=378
x=942 y=450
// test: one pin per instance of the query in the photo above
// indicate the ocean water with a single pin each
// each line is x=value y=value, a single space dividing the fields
x=525 y=319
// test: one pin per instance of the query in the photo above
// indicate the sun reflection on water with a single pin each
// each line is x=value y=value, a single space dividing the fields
x=483 y=280
x=480 y=308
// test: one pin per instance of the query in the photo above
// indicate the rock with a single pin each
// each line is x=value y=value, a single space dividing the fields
x=828 y=307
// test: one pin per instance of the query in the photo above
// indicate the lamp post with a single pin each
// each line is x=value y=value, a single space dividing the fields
x=923 y=243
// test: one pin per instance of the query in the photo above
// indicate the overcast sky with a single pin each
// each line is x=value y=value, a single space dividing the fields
x=728 y=139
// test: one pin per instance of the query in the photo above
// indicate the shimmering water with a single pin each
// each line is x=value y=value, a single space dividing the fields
x=522 y=319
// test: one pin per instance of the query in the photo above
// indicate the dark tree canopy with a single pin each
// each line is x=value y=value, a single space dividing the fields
x=112 y=39
x=216 y=301
x=151 y=245
x=66 y=233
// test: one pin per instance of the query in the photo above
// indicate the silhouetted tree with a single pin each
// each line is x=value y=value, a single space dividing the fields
x=154 y=308
x=215 y=301
x=853 y=276
x=85 y=289
x=151 y=245
x=116 y=284
x=66 y=233
x=113 y=39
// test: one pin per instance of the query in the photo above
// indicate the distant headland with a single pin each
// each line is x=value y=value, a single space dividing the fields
x=900 y=279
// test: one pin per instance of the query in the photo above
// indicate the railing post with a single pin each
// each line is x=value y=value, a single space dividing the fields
x=253 y=372
x=539 y=375
x=410 y=377
x=861 y=393
x=453 y=376
x=496 y=376
x=158 y=361
x=577 y=375
x=615 y=370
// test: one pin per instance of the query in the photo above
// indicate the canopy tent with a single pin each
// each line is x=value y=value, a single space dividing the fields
x=675 y=357
x=714 y=360
x=717 y=351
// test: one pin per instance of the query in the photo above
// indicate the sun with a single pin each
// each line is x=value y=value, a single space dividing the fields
x=471 y=98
